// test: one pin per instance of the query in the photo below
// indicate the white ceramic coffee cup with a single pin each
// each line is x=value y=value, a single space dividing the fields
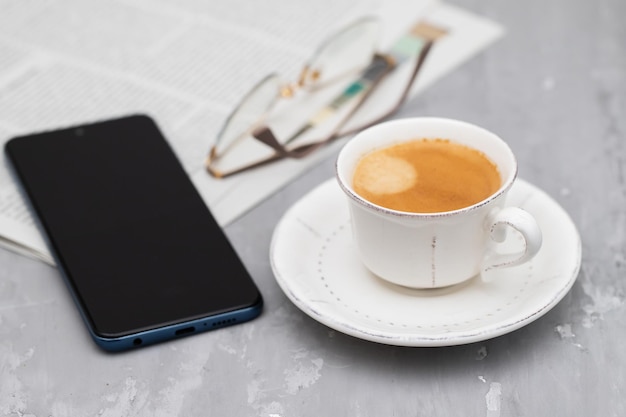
x=431 y=250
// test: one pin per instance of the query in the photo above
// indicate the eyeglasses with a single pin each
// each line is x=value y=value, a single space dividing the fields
x=333 y=94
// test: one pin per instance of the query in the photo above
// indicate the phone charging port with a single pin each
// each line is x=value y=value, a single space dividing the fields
x=186 y=330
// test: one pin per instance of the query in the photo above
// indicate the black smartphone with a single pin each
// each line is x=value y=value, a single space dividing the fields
x=139 y=249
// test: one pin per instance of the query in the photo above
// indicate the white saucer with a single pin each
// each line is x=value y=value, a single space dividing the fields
x=316 y=265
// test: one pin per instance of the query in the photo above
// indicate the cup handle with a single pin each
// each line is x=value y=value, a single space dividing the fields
x=525 y=224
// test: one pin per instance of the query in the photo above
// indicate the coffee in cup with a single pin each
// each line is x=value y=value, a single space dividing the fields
x=426 y=176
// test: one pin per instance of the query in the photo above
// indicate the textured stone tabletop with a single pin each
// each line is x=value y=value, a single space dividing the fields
x=554 y=87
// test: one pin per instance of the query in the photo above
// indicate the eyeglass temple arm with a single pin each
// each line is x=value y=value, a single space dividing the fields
x=265 y=135
x=418 y=65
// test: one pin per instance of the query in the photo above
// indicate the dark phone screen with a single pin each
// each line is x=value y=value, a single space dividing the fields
x=136 y=241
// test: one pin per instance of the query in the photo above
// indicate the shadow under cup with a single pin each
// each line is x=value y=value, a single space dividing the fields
x=424 y=250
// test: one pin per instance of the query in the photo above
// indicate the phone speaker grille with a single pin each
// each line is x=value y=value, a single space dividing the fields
x=223 y=322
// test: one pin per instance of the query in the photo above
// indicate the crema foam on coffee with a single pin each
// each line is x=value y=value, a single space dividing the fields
x=426 y=176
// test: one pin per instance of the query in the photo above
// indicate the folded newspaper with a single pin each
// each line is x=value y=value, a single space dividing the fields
x=187 y=65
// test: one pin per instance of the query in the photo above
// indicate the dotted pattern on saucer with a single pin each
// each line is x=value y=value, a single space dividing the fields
x=326 y=280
